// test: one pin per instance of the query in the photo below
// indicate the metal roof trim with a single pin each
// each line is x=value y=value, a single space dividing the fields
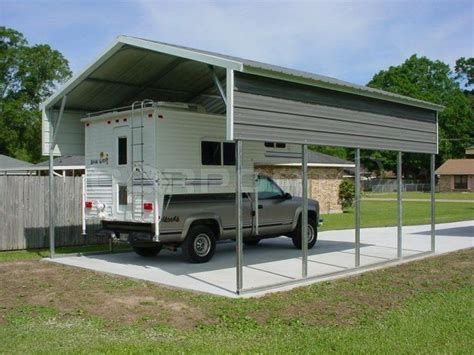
x=190 y=54
x=340 y=86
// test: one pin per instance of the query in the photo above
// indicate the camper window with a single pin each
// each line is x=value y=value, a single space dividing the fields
x=274 y=145
x=211 y=153
x=229 y=154
x=122 y=195
x=122 y=151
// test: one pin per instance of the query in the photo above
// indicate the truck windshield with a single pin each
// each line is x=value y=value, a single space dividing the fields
x=267 y=189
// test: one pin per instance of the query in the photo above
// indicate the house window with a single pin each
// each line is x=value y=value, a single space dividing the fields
x=460 y=182
x=122 y=195
x=275 y=145
x=217 y=153
x=211 y=153
x=122 y=151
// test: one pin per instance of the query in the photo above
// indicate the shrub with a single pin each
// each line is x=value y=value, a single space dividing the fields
x=346 y=193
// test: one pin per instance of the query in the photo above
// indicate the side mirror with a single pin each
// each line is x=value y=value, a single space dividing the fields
x=287 y=196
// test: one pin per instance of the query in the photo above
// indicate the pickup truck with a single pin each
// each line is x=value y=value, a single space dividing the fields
x=195 y=222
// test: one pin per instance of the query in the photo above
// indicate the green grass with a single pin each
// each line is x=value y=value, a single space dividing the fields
x=420 y=307
x=435 y=323
x=35 y=254
x=384 y=213
x=422 y=195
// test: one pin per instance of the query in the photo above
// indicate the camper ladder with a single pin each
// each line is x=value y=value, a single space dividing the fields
x=137 y=156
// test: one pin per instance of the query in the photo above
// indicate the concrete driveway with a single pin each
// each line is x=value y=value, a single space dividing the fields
x=277 y=261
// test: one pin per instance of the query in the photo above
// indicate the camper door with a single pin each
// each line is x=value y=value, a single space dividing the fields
x=121 y=161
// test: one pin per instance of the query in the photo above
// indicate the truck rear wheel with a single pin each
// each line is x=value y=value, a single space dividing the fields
x=312 y=234
x=147 y=252
x=199 y=245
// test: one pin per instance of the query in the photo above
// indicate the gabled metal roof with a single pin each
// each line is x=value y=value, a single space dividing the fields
x=134 y=68
x=77 y=161
x=7 y=162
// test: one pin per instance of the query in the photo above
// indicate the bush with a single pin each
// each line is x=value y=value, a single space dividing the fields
x=346 y=193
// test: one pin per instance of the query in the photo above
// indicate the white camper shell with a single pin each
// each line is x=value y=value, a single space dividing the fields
x=135 y=156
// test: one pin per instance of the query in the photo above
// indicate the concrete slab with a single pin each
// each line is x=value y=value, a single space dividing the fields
x=276 y=261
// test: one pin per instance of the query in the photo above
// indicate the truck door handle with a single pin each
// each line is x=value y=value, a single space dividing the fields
x=260 y=207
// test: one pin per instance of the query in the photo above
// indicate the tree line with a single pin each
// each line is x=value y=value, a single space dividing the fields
x=30 y=73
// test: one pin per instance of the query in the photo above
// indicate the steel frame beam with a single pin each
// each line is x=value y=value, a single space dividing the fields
x=54 y=128
x=433 y=202
x=357 y=208
x=239 y=221
x=304 y=213
x=399 y=206
x=218 y=84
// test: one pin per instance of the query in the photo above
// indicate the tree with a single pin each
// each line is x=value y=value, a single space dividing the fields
x=346 y=193
x=28 y=75
x=424 y=79
x=464 y=69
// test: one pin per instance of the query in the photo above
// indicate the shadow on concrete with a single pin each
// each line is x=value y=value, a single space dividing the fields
x=467 y=231
x=269 y=250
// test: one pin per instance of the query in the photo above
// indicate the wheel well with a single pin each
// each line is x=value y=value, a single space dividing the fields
x=211 y=223
x=311 y=214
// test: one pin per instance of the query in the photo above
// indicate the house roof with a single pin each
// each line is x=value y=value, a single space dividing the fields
x=7 y=162
x=315 y=159
x=321 y=158
x=457 y=167
x=67 y=161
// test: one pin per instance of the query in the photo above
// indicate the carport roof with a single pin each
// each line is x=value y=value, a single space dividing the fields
x=134 y=68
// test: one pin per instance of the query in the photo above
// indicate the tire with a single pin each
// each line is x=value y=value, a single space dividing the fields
x=199 y=245
x=312 y=230
x=147 y=252
x=252 y=242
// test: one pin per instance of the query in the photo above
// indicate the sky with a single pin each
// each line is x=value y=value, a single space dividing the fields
x=348 y=40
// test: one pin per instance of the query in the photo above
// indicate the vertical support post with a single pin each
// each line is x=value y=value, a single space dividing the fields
x=239 y=221
x=399 y=205
x=83 y=209
x=53 y=131
x=51 y=194
x=229 y=104
x=357 y=207
x=304 y=213
x=255 y=205
x=433 y=203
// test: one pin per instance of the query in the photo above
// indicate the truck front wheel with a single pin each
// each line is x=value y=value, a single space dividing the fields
x=199 y=245
x=312 y=234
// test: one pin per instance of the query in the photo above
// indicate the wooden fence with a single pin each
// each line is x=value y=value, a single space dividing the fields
x=24 y=212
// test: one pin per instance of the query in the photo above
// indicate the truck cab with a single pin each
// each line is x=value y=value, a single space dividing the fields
x=195 y=223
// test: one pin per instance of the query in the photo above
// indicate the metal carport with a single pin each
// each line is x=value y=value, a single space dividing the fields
x=262 y=102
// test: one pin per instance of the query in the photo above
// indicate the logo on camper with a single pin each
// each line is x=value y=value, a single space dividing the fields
x=103 y=159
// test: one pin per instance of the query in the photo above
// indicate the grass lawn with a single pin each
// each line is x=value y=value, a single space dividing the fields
x=35 y=254
x=422 y=195
x=419 y=307
x=384 y=213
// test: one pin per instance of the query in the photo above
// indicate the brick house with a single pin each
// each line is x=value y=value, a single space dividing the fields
x=325 y=173
x=456 y=175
